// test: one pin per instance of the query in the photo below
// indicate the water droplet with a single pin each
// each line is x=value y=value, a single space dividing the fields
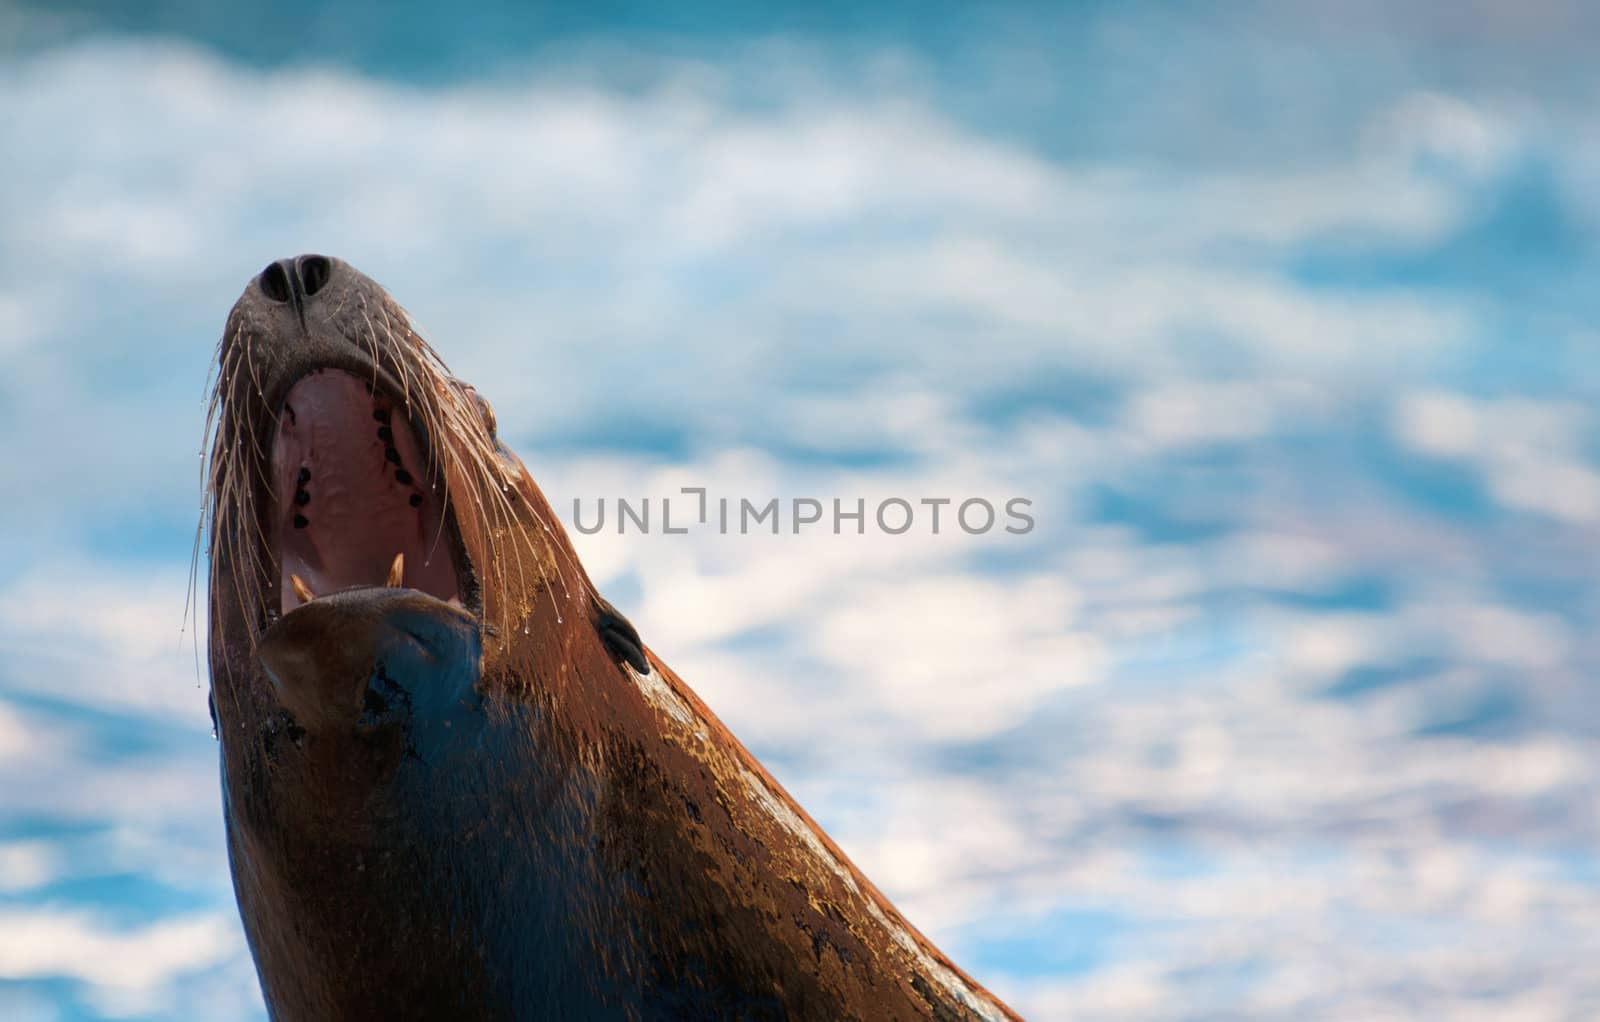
x=214 y=736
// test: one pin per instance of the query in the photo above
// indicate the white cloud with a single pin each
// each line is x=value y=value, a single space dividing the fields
x=957 y=657
x=1530 y=452
x=15 y=739
x=1188 y=414
x=27 y=864
x=19 y=322
x=48 y=943
x=1432 y=127
x=111 y=638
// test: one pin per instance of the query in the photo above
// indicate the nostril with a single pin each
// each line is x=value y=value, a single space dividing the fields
x=275 y=283
x=314 y=273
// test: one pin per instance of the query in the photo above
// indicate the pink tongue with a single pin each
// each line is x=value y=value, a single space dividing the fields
x=356 y=496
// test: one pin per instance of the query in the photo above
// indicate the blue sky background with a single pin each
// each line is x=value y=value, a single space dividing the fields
x=1283 y=317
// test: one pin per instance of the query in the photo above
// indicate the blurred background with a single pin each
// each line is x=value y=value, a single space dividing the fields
x=1282 y=315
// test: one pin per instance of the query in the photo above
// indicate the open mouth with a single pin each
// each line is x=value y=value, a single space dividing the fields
x=359 y=501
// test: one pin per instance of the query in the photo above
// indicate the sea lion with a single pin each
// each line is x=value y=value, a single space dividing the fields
x=457 y=785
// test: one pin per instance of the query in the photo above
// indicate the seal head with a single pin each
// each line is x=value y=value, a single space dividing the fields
x=457 y=783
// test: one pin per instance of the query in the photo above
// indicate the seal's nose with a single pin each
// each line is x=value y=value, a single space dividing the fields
x=293 y=280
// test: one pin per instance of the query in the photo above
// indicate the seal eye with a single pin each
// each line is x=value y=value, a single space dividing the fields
x=485 y=411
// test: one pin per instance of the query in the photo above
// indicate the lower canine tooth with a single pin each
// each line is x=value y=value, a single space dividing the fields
x=397 y=570
x=301 y=589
